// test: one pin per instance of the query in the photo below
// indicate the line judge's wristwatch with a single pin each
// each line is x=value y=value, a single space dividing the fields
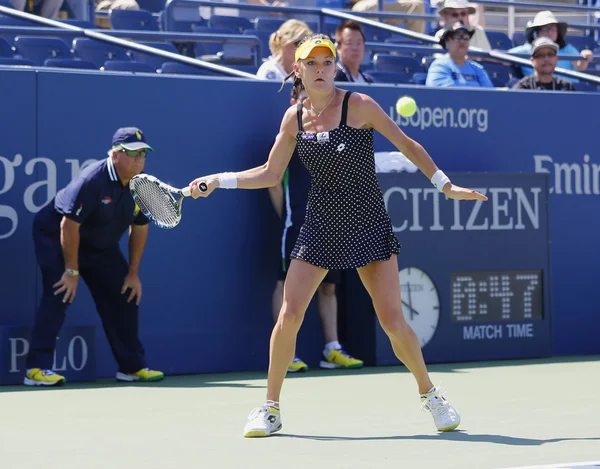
x=72 y=272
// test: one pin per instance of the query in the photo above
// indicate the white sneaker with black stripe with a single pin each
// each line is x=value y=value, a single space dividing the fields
x=263 y=421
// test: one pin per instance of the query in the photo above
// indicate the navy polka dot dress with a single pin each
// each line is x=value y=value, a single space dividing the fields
x=346 y=224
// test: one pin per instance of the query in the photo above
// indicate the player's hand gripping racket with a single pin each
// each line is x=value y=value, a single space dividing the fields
x=155 y=199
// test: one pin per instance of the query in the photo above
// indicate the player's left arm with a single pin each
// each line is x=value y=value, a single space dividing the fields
x=138 y=234
x=374 y=116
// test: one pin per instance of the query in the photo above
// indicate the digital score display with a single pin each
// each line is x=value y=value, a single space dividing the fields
x=496 y=296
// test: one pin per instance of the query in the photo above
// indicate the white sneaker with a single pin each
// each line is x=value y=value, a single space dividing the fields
x=445 y=416
x=263 y=421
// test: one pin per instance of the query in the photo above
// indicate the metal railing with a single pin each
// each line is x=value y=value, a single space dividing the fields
x=131 y=45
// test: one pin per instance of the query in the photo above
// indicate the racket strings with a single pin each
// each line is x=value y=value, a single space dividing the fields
x=159 y=203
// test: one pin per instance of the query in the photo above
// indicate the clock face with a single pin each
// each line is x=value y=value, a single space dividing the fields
x=420 y=303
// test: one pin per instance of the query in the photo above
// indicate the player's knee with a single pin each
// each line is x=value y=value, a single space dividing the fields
x=291 y=317
x=327 y=289
x=392 y=322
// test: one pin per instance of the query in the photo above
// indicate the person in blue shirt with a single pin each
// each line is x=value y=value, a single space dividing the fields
x=454 y=69
x=78 y=234
x=545 y=24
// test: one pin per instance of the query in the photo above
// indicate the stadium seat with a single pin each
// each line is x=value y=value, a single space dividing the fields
x=498 y=73
x=5 y=49
x=375 y=34
x=128 y=66
x=154 y=6
x=153 y=60
x=419 y=78
x=209 y=48
x=396 y=63
x=79 y=23
x=70 y=63
x=9 y=21
x=97 y=52
x=136 y=20
x=268 y=24
x=581 y=42
x=584 y=86
x=38 y=49
x=181 y=26
x=16 y=61
x=236 y=23
x=263 y=37
x=499 y=40
x=518 y=39
x=389 y=77
x=177 y=68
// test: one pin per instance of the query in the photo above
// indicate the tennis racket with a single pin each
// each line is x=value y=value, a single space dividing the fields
x=155 y=199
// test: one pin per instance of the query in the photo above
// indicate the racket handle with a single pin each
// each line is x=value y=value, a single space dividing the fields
x=186 y=191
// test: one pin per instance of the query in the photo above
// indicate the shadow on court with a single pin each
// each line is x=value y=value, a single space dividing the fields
x=459 y=435
x=257 y=379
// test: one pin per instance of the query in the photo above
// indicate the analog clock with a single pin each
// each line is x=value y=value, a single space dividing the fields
x=420 y=303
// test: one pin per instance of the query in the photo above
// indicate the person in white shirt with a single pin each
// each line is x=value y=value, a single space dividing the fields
x=283 y=44
x=452 y=11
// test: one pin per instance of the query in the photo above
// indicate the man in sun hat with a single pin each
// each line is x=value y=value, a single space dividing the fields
x=544 y=57
x=545 y=24
x=459 y=10
x=454 y=68
x=78 y=234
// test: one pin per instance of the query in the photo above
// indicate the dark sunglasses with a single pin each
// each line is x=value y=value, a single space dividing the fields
x=462 y=14
x=458 y=37
x=135 y=153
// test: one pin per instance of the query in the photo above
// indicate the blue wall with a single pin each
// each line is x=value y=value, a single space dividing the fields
x=208 y=283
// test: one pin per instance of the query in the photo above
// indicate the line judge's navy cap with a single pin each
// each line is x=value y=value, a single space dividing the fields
x=130 y=138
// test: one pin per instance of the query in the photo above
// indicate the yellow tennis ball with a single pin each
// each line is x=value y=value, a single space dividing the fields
x=406 y=106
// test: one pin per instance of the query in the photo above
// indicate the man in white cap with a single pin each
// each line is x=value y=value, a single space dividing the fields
x=459 y=10
x=545 y=24
x=544 y=57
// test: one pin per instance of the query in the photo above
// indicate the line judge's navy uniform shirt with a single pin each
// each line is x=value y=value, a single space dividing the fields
x=97 y=200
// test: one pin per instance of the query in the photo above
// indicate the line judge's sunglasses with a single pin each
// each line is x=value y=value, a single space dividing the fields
x=461 y=36
x=141 y=153
x=459 y=14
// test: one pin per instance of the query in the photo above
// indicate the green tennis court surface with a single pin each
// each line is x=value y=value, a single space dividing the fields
x=514 y=414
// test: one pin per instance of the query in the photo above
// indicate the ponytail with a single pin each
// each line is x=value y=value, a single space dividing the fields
x=297 y=85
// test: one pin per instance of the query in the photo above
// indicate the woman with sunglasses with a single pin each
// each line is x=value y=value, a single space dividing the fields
x=77 y=234
x=454 y=69
x=346 y=225
x=282 y=44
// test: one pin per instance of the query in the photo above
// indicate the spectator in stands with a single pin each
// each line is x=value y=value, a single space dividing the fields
x=454 y=69
x=459 y=10
x=283 y=44
x=545 y=24
x=350 y=45
x=289 y=199
x=48 y=8
x=274 y=3
x=544 y=57
x=416 y=7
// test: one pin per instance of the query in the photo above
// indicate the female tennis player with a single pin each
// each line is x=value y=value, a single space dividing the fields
x=346 y=225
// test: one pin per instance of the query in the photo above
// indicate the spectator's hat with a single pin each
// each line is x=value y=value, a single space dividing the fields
x=450 y=29
x=544 y=18
x=543 y=43
x=130 y=138
x=456 y=4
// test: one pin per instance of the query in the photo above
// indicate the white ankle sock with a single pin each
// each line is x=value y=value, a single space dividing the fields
x=335 y=345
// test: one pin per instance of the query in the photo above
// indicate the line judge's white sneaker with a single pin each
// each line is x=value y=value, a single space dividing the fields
x=263 y=421
x=445 y=416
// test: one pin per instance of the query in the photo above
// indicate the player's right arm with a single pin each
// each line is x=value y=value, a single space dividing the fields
x=268 y=174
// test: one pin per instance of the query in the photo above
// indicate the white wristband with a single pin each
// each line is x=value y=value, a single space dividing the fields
x=439 y=180
x=227 y=181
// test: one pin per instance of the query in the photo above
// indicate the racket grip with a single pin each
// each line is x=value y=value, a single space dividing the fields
x=186 y=191
x=203 y=187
